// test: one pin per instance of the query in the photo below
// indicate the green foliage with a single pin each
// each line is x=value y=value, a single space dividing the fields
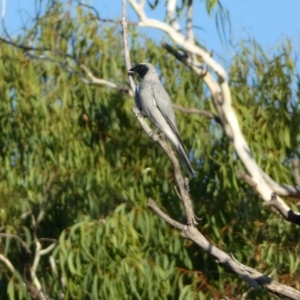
x=75 y=150
x=123 y=255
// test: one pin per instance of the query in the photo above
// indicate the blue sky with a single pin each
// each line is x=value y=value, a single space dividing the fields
x=268 y=21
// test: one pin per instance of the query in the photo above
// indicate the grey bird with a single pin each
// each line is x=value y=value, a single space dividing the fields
x=154 y=102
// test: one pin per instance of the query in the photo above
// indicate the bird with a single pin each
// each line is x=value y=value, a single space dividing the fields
x=154 y=102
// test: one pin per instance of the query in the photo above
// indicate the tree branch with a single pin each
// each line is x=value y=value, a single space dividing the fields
x=222 y=98
x=223 y=103
x=7 y=263
x=290 y=215
x=282 y=189
x=171 y=12
x=295 y=167
x=93 y=79
x=203 y=112
x=228 y=262
x=180 y=39
x=181 y=183
x=100 y=81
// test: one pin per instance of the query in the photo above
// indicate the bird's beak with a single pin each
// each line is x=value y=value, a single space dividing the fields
x=132 y=70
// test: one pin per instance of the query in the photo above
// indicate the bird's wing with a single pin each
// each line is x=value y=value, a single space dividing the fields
x=162 y=101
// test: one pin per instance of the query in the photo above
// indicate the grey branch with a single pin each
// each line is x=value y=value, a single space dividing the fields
x=203 y=112
x=228 y=262
x=181 y=183
x=221 y=95
x=164 y=216
x=295 y=166
x=7 y=262
x=245 y=177
x=100 y=81
x=223 y=102
x=282 y=189
x=289 y=215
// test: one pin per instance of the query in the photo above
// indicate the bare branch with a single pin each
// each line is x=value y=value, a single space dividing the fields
x=93 y=79
x=210 y=82
x=181 y=183
x=282 y=189
x=171 y=11
x=228 y=262
x=290 y=215
x=47 y=250
x=3 y=12
x=29 y=48
x=38 y=247
x=7 y=263
x=180 y=39
x=222 y=99
x=99 y=81
x=203 y=112
x=126 y=46
x=38 y=253
x=247 y=179
x=164 y=216
x=295 y=166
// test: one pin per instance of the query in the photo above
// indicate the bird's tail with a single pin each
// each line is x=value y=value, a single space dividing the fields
x=175 y=140
x=184 y=159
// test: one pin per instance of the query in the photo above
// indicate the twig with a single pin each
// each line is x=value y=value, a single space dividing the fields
x=7 y=235
x=164 y=216
x=126 y=46
x=93 y=79
x=247 y=179
x=7 y=263
x=100 y=81
x=203 y=112
x=38 y=253
x=34 y=278
x=30 y=48
x=106 y=20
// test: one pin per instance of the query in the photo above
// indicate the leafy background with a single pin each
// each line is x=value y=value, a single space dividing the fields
x=76 y=151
